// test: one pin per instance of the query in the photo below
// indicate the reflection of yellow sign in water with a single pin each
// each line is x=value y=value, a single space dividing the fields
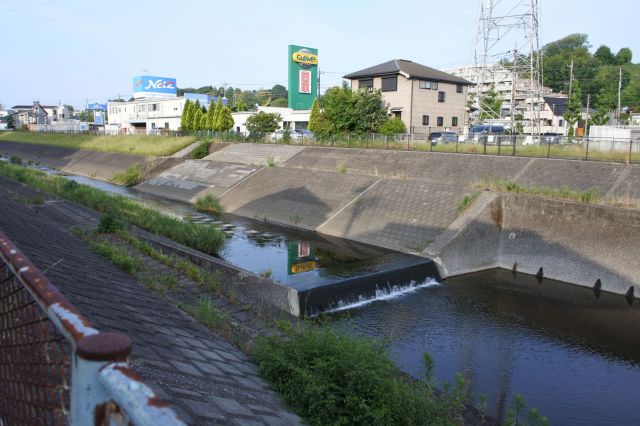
x=296 y=268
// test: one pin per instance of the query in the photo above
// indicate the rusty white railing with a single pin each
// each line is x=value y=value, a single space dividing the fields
x=55 y=368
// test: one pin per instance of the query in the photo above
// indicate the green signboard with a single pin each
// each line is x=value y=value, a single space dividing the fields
x=303 y=76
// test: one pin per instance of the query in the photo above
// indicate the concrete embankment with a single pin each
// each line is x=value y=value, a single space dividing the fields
x=585 y=244
x=406 y=201
x=94 y=164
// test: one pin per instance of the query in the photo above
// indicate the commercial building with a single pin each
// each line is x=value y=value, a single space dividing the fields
x=424 y=98
x=155 y=106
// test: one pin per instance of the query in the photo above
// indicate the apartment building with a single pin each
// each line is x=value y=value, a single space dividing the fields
x=424 y=98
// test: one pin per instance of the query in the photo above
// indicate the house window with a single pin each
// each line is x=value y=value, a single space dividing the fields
x=166 y=125
x=366 y=84
x=459 y=88
x=428 y=84
x=454 y=121
x=425 y=120
x=440 y=121
x=440 y=96
x=561 y=123
x=153 y=125
x=390 y=84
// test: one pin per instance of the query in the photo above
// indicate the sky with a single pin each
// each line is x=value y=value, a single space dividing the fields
x=78 y=51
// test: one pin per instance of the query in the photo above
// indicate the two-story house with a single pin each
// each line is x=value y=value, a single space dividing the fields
x=424 y=98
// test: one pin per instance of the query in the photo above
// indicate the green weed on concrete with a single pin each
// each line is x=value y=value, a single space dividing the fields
x=202 y=237
x=133 y=175
x=208 y=204
x=202 y=150
x=588 y=196
x=467 y=201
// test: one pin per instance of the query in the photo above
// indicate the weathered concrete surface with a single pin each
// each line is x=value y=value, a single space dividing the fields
x=204 y=378
x=398 y=213
x=255 y=154
x=440 y=168
x=572 y=242
x=98 y=165
x=191 y=179
x=294 y=197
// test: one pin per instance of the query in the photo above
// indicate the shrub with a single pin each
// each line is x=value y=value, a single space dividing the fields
x=130 y=177
x=330 y=378
x=15 y=159
x=110 y=223
x=393 y=126
x=208 y=204
x=201 y=151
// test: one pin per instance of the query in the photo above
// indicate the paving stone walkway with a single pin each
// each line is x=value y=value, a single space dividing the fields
x=203 y=377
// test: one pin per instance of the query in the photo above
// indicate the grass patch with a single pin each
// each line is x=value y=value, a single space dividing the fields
x=271 y=162
x=15 y=159
x=133 y=144
x=330 y=378
x=201 y=151
x=202 y=237
x=209 y=315
x=117 y=255
x=564 y=193
x=467 y=200
x=208 y=204
x=342 y=169
x=130 y=177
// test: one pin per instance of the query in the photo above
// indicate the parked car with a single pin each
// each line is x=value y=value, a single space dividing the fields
x=443 y=137
x=552 y=138
x=294 y=134
x=488 y=134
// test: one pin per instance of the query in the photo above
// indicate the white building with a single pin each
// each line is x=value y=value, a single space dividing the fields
x=292 y=119
x=38 y=114
x=152 y=115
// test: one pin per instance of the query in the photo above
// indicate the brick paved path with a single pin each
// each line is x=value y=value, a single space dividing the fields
x=204 y=378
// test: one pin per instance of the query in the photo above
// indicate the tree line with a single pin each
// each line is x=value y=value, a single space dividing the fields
x=215 y=118
x=243 y=100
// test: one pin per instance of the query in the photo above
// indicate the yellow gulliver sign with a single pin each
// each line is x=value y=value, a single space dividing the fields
x=306 y=58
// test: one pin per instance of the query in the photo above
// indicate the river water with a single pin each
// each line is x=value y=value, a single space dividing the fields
x=572 y=355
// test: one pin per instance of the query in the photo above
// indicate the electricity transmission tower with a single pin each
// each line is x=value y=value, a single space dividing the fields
x=507 y=29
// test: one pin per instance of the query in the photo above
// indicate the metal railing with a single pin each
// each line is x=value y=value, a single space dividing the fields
x=55 y=368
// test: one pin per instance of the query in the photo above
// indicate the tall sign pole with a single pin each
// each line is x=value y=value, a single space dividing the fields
x=303 y=77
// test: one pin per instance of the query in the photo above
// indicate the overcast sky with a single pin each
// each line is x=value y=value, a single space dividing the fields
x=78 y=50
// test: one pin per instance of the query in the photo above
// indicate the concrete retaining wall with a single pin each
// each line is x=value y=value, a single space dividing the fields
x=94 y=164
x=563 y=240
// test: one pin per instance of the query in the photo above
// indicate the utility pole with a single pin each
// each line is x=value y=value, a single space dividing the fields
x=319 y=74
x=619 y=90
x=586 y=124
x=570 y=77
x=514 y=72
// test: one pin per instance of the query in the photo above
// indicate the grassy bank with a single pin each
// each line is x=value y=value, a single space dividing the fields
x=563 y=193
x=134 y=144
x=202 y=237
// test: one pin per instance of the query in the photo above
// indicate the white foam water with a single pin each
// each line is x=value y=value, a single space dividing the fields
x=388 y=293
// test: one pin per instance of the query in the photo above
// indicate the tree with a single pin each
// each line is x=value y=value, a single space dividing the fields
x=338 y=110
x=624 y=56
x=241 y=106
x=604 y=55
x=370 y=111
x=229 y=93
x=600 y=118
x=279 y=92
x=225 y=119
x=313 y=116
x=203 y=122
x=490 y=105
x=210 y=124
x=574 y=108
x=393 y=126
x=566 y=44
x=187 y=116
x=263 y=122
x=196 y=117
x=280 y=102
x=216 y=114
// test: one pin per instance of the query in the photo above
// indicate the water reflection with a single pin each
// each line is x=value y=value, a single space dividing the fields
x=573 y=356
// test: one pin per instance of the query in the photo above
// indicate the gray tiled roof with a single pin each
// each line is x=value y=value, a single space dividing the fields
x=413 y=69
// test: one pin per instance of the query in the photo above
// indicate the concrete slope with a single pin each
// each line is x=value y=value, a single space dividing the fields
x=398 y=214
x=294 y=197
x=99 y=165
x=255 y=154
x=190 y=179
x=440 y=168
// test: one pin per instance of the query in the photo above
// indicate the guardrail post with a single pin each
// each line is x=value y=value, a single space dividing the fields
x=548 y=148
x=586 y=153
x=88 y=395
x=484 y=143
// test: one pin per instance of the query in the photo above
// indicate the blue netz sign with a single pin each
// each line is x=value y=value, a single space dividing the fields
x=150 y=86
x=97 y=107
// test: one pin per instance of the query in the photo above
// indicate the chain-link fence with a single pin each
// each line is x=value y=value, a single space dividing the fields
x=35 y=368
x=55 y=368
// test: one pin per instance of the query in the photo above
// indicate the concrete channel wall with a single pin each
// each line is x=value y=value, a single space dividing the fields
x=585 y=244
x=406 y=201
x=94 y=164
